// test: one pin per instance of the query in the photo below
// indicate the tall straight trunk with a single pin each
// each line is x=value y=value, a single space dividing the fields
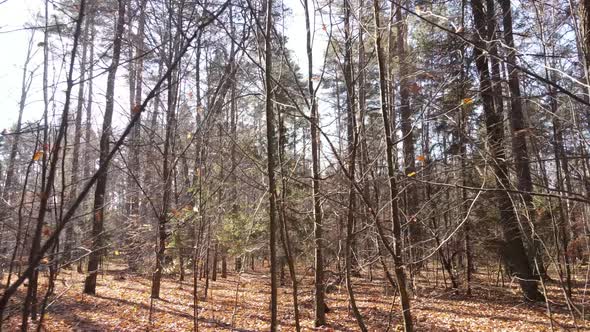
x=285 y=239
x=136 y=77
x=411 y=198
x=69 y=240
x=562 y=171
x=167 y=170
x=88 y=159
x=513 y=253
x=352 y=140
x=320 y=310
x=396 y=251
x=517 y=120
x=363 y=161
x=518 y=126
x=101 y=182
x=496 y=71
x=271 y=165
x=463 y=128
x=561 y=165
x=463 y=133
x=585 y=47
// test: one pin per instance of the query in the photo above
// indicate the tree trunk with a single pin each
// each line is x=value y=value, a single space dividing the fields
x=396 y=251
x=351 y=149
x=271 y=165
x=519 y=143
x=407 y=124
x=167 y=171
x=101 y=183
x=513 y=252
x=136 y=90
x=285 y=239
x=319 y=289
x=70 y=236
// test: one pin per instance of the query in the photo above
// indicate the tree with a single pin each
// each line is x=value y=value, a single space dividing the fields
x=396 y=251
x=101 y=183
x=512 y=250
x=271 y=163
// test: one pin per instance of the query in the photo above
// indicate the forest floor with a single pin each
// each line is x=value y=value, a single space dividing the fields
x=240 y=303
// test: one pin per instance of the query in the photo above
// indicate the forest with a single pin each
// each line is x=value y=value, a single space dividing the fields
x=310 y=165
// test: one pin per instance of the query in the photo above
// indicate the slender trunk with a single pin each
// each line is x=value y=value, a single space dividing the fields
x=101 y=183
x=407 y=124
x=320 y=310
x=70 y=236
x=271 y=164
x=396 y=251
x=285 y=240
x=136 y=77
x=167 y=173
x=352 y=140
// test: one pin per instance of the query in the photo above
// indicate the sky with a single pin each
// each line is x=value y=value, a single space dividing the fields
x=14 y=14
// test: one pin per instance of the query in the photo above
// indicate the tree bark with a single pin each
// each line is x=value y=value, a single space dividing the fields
x=70 y=236
x=271 y=164
x=519 y=143
x=101 y=183
x=513 y=253
x=319 y=289
x=396 y=251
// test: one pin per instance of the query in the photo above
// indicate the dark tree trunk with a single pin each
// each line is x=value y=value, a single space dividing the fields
x=136 y=91
x=519 y=142
x=70 y=236
x=101 y=183
x=407 y=124
x=351 y=149
x=513 y=252
x=271 y=165
x=396 y=251
x=320 y=310
x=167 y=173
x=284 y=232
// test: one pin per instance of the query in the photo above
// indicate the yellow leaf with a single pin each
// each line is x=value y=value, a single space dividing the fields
x=412 y=174
x=467 y=101
x=37 y=155
x=116 y=252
